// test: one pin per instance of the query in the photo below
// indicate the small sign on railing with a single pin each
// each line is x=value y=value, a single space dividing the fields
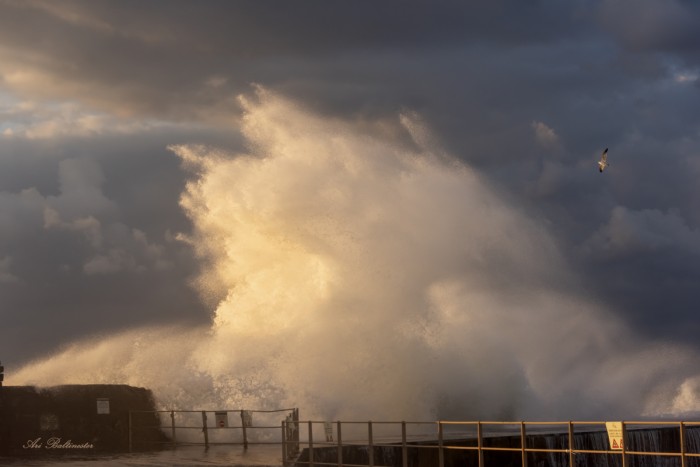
x=328 y=428
x=247 y=418
x=221 y=419
x=615 y=435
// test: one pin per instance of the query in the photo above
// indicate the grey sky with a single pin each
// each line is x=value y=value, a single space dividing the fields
x=527 y=93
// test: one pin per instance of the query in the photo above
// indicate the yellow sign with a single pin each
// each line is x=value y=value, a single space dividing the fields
x=615 y=435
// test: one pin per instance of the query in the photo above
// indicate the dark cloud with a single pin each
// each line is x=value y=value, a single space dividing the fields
x=655 y=25
x=175 y=60
x=88 y=242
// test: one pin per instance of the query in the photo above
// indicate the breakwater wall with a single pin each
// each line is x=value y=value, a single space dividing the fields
x=73 y=419
x=542 y=450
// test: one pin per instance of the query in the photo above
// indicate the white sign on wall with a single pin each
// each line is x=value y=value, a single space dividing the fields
x=103 y=406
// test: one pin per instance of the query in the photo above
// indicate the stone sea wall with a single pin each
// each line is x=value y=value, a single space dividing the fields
x=74 y=419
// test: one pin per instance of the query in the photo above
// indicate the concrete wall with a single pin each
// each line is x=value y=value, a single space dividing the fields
x=74 y=419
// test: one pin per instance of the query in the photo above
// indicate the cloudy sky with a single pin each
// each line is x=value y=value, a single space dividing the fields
x=116 y=117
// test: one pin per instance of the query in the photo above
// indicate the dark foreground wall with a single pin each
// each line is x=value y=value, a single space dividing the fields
x=425 y=454
x=73 y=419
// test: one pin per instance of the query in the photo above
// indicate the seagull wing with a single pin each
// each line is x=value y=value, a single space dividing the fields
x=603 y=162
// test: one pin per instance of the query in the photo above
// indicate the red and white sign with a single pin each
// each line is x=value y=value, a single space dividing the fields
x=221 y=419
x=615 y=435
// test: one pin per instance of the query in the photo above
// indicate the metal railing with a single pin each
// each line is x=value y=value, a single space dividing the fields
x=208 y=427
x=490 y=443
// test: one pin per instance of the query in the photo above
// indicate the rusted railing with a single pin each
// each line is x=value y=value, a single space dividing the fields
x=211 y=427
x=490 y=443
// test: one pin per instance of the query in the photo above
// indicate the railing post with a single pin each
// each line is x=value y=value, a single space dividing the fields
x=370 y=443
x=205 y=430
x=571 y=444
x=404 y=447
x=441 y=453
x=284 y=443
x=131 y=448
x=245 y=433
x=480 y=443
x=340 y=445
x=624 y=445
x=297 y=430
x=682 y=436
x=172 y=427
x=523 y=444
x=311 y=444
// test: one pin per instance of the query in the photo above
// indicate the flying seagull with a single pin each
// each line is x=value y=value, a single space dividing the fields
x=603 y=162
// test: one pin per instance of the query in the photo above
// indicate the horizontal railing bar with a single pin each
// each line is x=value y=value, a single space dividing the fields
x=239 y=427
x=211 y=443
x=564 y=422
x=254 y=427
x=335 y=463
x=494 y=448
x=370 y=421
x=586 y=451
x=241 y=443
x=654 y=453
x=210 y=411
x=518 y=423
